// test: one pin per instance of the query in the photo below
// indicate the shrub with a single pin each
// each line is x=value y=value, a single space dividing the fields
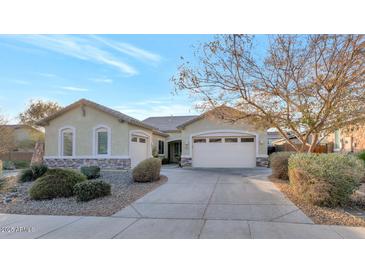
x=8 y=165
x=279 y=164
x=38 y=170
x=91 y=172
x=26 y=175
x=361 y=155
x=165 y=161
x=32 y=173
x=56 y=183
x=325 y=179
x=88 y=190
x=20 y=164
x=147 y=170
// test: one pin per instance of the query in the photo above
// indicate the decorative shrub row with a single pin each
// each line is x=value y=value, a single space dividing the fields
x=32 y=173
x=325 y=179
x=56 y=183
x=91 y=172
x=147 y=171
x=88 y=190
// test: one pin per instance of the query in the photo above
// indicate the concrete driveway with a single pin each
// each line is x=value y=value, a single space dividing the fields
x=194 y=203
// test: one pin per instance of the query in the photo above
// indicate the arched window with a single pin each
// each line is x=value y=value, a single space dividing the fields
x=67 y=142
x=102 y=141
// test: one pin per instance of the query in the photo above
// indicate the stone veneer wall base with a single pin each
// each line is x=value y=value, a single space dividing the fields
x=262 y=161
x=79 y=162
x=186 y=161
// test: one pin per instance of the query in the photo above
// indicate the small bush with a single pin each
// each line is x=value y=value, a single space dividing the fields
x=26 y=175
x=325 y=179
x=38 y=170
x=147 y=171
x=88 y=190
x=165 y=161
x=20 y=164
x=91 y=172
x=361 y=155
x=8 y=165
x=56 y=183
x=32 y=173
x=279 y=164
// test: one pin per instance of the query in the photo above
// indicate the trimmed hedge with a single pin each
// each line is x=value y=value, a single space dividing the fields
x=91 y=172
x=88 y=190
x=325 y=179
x=147 y=171
x=56 y=183
x=279 y=164
x=32 y=173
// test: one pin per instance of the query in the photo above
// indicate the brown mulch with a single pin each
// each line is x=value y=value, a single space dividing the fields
x=319 y=215
x=124 y=192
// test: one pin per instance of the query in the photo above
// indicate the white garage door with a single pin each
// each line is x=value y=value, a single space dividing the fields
x=138 y=149
x=232 y=151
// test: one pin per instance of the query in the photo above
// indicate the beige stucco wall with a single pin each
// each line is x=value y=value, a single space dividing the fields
x=210 y=124
x=155 y=139
x=84 y=126
x=173 y=136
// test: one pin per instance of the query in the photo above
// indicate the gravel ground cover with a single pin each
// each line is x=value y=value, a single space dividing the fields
x=322 y=215
x=16 y=200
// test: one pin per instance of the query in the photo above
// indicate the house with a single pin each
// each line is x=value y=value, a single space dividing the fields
x=348 y=140
x=23 y=137
x=87 y=133
x=273 y=136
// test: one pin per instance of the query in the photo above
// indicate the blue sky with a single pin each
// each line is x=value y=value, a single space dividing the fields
x=130 y=73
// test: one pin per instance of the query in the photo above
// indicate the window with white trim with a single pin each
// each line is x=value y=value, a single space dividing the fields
x=102 y=141
x=67 y=142
x=161 y=147
x=247 y=140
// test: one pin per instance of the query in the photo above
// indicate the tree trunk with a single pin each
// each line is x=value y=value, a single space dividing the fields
x=38 y=154
x=314 y=143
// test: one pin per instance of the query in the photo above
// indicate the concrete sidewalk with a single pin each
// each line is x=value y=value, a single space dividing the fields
x=192 y=204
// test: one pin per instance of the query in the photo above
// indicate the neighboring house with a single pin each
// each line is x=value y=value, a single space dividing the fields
x=86 y=133
x=348 y=140
x=273 y=136
x=24 y=137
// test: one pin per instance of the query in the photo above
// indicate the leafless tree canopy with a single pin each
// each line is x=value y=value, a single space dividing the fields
x=38 y=110
x=6 y=136
x=308 y=85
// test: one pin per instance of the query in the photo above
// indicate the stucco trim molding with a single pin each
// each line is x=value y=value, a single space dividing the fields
x=257 y=139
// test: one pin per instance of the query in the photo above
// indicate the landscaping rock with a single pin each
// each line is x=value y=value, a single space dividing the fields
x=123 y=190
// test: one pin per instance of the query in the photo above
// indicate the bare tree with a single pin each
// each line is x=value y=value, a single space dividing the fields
x=305 y=85
x=38 y=110
x=6 y=136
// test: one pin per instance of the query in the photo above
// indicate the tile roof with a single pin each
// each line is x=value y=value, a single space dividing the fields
x=168 y=123
x=120 y=116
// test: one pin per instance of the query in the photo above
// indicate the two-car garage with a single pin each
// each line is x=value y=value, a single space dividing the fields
x=225 y=151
